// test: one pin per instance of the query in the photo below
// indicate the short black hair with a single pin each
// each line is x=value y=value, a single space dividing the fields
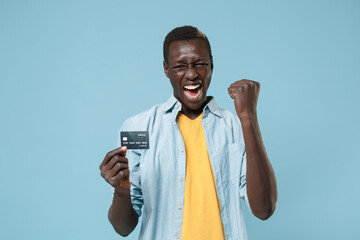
x=181 y=34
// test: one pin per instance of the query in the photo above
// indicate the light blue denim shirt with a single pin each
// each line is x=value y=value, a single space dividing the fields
x=157 y=174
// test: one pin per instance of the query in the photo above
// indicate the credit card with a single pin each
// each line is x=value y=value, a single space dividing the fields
x=135 y=139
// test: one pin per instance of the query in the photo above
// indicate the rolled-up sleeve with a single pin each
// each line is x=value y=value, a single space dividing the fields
x=240 y=138
x=133 y=157
x=243 y=189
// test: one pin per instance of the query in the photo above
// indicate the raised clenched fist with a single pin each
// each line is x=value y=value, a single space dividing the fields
x=245 y=94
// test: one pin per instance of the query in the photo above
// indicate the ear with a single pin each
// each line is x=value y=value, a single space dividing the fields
x=212 y=66
x=166 y=69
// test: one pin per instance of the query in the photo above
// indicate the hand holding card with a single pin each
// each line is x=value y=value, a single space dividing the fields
x=114 y=169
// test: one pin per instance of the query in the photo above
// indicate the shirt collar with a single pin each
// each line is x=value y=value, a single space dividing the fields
x=212 y=107
x=172 y=103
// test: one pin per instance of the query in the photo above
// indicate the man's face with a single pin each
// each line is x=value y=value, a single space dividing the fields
x=189 y=69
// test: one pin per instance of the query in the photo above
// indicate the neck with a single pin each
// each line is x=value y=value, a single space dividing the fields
x=193 y=114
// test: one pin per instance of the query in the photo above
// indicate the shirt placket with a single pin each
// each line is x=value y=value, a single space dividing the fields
x=180 y=186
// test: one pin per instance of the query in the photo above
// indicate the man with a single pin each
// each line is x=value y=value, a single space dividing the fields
x=189 y=183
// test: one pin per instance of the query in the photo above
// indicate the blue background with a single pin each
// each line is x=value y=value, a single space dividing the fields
x=72 y=71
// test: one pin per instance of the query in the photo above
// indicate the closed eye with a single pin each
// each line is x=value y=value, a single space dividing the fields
x=201 y=65
x=179 y=68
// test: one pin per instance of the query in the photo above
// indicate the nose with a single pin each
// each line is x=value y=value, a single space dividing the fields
x=191 y=73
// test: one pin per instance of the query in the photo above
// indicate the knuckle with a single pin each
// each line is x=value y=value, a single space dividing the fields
x=114 y=179
x=112 y=182
x=107 y=178
x=108 y=155
x=115 y=161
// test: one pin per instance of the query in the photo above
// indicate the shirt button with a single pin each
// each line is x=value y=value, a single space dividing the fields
x=177 y=105
x=179 y=207
x=182 y=150
x=177 y=236
x=181 y=178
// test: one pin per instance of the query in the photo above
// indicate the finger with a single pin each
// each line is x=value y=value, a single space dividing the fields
x=238 y=84
x=234 y=91
x=121 y=175
x=231 y=92
x=116 y=159
x=117 y=167
x=111 y=154
x=123 y=151
x=258 y=85
x=122 y=159
x=118 y=179
x=109 y=174
x=245 y=80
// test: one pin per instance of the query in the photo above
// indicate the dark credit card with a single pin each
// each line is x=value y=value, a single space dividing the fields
x=135 y=139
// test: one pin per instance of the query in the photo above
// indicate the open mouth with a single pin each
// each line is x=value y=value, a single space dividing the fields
x=192 y=91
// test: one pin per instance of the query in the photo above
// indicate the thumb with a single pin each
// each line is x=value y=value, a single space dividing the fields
x=123 y=150
x=232 y=93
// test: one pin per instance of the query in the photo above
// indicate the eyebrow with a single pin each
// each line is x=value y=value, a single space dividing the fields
x=198 y=60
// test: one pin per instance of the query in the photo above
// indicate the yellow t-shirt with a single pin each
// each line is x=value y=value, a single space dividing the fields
x=202 y=211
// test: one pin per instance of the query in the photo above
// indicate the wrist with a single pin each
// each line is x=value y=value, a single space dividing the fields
x=247 y=116
x=121 y=192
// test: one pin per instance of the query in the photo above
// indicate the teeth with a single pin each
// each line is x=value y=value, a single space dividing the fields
x=192 y=87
